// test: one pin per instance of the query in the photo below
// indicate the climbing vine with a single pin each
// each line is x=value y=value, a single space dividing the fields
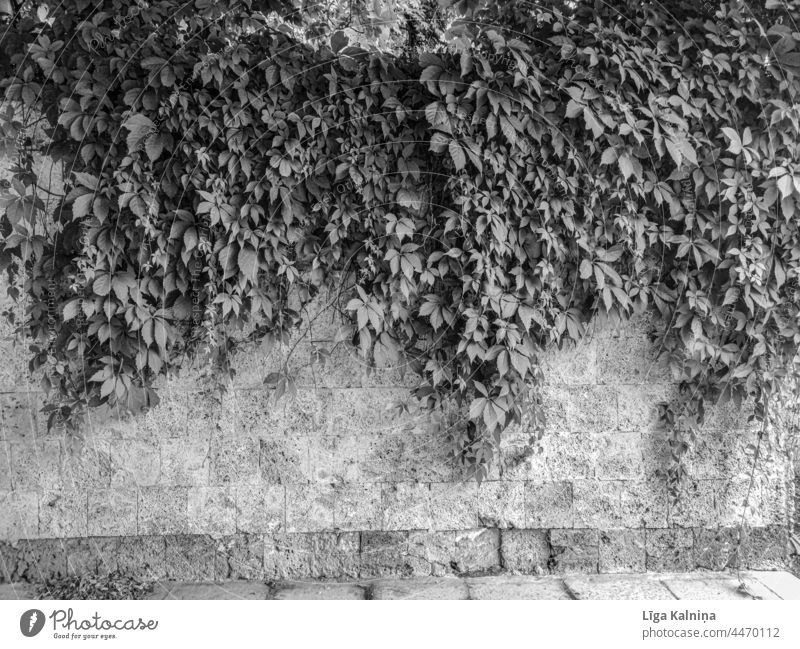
x=526 y=170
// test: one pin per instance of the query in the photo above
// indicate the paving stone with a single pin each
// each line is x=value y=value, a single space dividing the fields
x=17 y=591
x=617 y=587
x=691 y=586
x=317 y=591
x=517 y=587
x=431 y=588
x=224 y=590
x=780 y=582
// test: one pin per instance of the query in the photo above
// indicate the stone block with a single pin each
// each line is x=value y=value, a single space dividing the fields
x=643 y=503
x=185 y=462
x=511 y=587
x=20 y=417
x=190 y=557
x=406 y=506
x=360 y=412
x=766 y=548
x=597 y=504
x=36 y=465
x=287 y=556
x=307 y=414
x=617 y=587
x=618 y=456
x=669 y=550
x=318 y=591
x=358 y=507
x=335 y=555
x=574 y=551
x=622 y=551
x=697 y=505
x=260 y=509
x=524 y=551
x=309 y=507
x=436 y=588
x=386 y=554
x=501 y=504
x=575 y=364
x=19 y=515
x=628 y=356
x=113 y=512
x=234 y=460
x=5 y=467
x=87 y=465
x=211 y=510
x=402 y=455
x=766 y=499
x=580 y=409
x=638 y=405
x=715 y=549
x=453 y=505
x=163 y=510
x=240 y=556
x=284 y=459
x=34 y=560
x=63 y=514
x=81 y=556
x=548 y=504
x=476 y=551
x=134 y=462
x=334 y=458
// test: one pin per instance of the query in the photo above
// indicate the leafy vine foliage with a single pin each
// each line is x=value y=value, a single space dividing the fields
x=541 y=165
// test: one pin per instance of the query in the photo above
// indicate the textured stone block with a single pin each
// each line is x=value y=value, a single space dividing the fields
x=88 y=466
x=618 y=456
x=643 y=503
x=284 y=459
x=36 y=466
x=548 y=504
x=597 y=504
x=574 y=551
x=19 y=515
x=81 y=556
x=573 y=365
x=334 y=458
x=287 y=556
x=622 y=551
x=501 y=504
x=185 y=462
x=318 y=591
x=580 y=409
x=525 y=551
x=453 y=505
x=20 y=416
x=260 y=509
x=309 y=507
x=627 y=356
x=386 y=554
x=358 y=507
x=5 y=467
x=63 y=514
x=766 y=499
x=113 y=512
x=617 y=587
x=697 y=506
x=476 y=551
x=516 y=587
x=638 y=405
x=765 y=548
x=335 y=555
x=240 y=556
x=190 y=558
x=305 y=415
x=34 y=560
x=211 y=510
x=400 y=455
x=163 y=510
x=445 y=588
x=234 y=460
x=669 y=550
x=134 y=463
x=715 y=549
x=406 y=506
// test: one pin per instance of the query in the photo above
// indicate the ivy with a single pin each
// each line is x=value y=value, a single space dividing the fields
x=475 y=196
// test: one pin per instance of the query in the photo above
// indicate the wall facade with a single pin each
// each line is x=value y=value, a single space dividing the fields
x=337 y=484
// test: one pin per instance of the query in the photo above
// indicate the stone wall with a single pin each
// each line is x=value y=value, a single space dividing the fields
x=337 y=484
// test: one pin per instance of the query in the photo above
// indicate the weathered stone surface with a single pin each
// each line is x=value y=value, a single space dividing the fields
x=617 y=587
x=386 y=554
x=423 y=588
x=185 y=462
x=548 y=504
x=333 y=458
x=501 y=504
x=580 y=409
x=574 y=551
x=699 y=587
x=112 y=512
x=234 y=460
x=284 y=459
x=358 y=507
x=309 y=507
x=140 y=556
x=697 y=506
x=638 y=405
x=622 y=551
x=63 y=514
x=163 y=510
x=327 y=555
x=406 y=506
x=226 y=590
x=17 y=590
x=715 y=549
x=134 y=462
x=516 y=587
x=240 y=556
x=211 y=510
x=453 y=505
x=525 y=551
x=669 y=549
x=19 y=515
x=783 y=584
x=21 y=419
x=36 y=466
x=260 y=509
x=190 y=558
x=33 y=560
x=318 y=591
x=765 y=548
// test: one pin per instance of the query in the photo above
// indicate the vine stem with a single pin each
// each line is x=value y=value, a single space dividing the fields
x=756 y=455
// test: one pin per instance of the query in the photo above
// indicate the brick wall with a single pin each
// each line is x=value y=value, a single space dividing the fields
x=336 y=484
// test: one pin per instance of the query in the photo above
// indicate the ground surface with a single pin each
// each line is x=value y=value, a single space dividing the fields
x=651 y=586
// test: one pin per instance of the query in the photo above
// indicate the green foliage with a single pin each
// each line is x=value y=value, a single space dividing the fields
x=549 y=164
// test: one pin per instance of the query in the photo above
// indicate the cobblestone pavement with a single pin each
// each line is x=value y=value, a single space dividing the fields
x=650 y=586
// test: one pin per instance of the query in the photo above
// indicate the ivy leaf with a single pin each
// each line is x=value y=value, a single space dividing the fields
x=248 y=262
x=735 y=146
x=457 y=154
x=140 y=127
x=586 y=269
